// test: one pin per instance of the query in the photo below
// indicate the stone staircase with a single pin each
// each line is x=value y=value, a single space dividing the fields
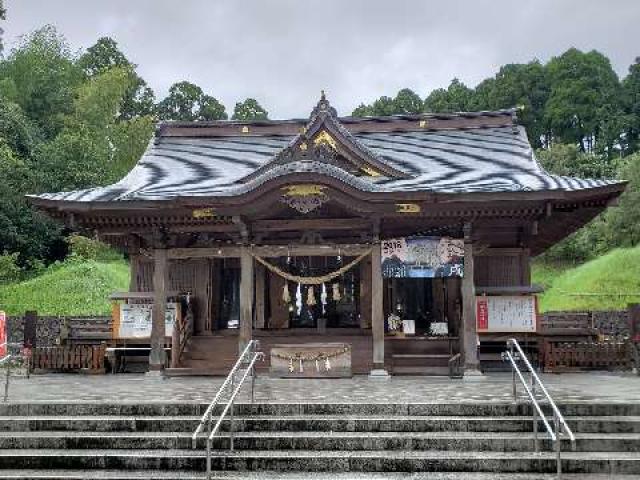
x=436 y=441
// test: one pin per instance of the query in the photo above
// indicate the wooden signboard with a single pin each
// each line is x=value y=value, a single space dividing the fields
x=135 y=320
x=517 y=313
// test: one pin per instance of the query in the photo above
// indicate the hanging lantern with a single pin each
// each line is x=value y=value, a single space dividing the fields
x=336 y=292
x=311 y=297
x=299 y=299
x=286 y=296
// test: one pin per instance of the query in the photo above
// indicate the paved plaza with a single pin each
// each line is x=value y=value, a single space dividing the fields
x=578 y=387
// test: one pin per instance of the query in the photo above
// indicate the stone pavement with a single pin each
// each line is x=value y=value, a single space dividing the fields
x=578 y=387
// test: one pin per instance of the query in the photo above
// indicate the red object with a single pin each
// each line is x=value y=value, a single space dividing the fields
x=482 y=314
x=3 y=334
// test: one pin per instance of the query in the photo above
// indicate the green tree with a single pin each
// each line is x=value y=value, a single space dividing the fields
x=623 y=221
x=105 y=55
x=456 y=98
x=3 y=16
x=94 y=143
x=522 y=85
x=248 y=110
x=407 y=102
x=584 y=103
x=383 y=106
x=41 y=76
x=631 y=96
x=363 y=110
x=187 y=102
x=568 y=160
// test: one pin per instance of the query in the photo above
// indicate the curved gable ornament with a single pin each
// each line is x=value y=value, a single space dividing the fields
x=304 y=197
x=324 y=139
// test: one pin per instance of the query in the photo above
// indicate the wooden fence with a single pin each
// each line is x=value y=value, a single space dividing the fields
x=577 y=356
x=72 y=358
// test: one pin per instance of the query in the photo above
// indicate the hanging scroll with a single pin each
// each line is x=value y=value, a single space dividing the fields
x=506 y=313
x=422 y=257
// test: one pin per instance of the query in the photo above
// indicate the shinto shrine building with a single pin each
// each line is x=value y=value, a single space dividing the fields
x=346 y=245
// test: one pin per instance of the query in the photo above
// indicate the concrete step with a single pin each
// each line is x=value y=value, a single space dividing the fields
x=411 y=409
x=320 y=423
x=324 y=461
x=230 y=475
x=499 y=442
x=428 y=370
x=211 y=371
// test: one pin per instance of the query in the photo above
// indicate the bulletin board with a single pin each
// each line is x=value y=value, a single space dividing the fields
x=517 y=313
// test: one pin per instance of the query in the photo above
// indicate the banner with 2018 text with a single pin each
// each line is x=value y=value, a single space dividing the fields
x=422 y=257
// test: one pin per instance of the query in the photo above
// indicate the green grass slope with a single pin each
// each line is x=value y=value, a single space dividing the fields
x=609 y=282
x=70 y=288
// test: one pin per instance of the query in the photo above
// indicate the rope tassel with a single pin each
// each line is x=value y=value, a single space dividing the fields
x=286 y=296
x=311 y=297
x=336 y=292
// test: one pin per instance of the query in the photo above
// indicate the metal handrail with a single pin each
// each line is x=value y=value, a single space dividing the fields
x=206 y=417
x=559 y=423
x=6 y=359
x=249 y=355
x=229 y=409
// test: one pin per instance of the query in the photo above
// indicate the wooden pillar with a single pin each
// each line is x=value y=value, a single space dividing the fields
x=469 y=330
x=246 y=298
x=160 y=277
x=377 y=313
x=261 y=276
x=365 y=293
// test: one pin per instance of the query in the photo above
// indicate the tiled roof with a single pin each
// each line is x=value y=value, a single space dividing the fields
x=448 y=160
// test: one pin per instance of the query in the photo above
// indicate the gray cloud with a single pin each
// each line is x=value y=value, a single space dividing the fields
x=283 y=52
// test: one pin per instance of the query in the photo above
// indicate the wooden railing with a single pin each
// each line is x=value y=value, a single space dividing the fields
x=568 y=357
x=72 y=358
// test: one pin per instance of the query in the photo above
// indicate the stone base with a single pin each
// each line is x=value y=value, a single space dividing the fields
x=473 y=375
x=379 y=374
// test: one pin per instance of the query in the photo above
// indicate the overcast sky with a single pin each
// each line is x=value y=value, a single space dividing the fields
x=283 y=52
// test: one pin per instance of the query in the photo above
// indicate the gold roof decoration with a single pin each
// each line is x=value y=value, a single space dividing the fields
x=303 y=190
x=408 y=208
x=206 y=212
x=370 y=171
x=326 y=138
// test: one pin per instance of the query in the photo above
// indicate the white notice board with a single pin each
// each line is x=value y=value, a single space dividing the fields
x=135 y=320
x=515 y=313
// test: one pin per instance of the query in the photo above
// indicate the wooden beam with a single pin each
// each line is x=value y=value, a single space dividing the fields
x=310 y=224
x=310 y=250
x=160 y=277
x=205 y=252
x=246 y=298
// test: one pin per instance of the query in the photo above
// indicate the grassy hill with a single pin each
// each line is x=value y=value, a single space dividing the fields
x=609 y=282
x=71 y=288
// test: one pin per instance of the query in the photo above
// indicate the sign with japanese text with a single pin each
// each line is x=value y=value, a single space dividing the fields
x=422 y=257
x=136 y=318
x=506 y=313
